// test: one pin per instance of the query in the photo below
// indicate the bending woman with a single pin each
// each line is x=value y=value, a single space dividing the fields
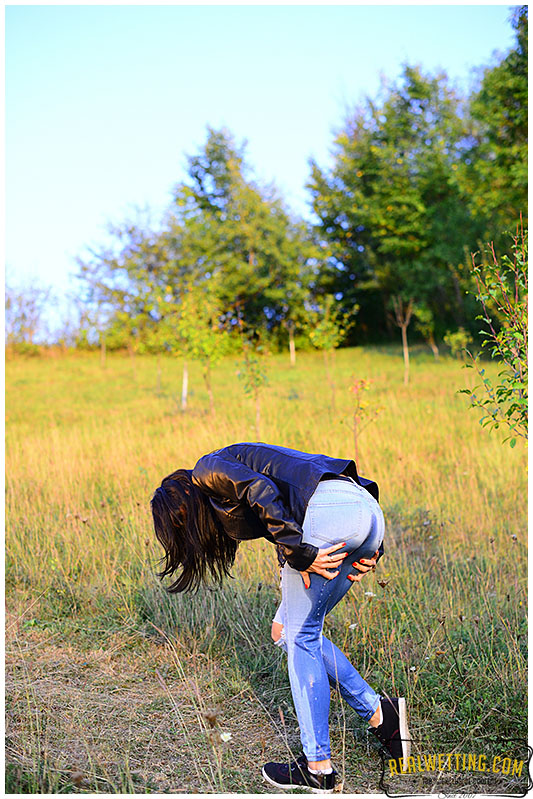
x=328 y=528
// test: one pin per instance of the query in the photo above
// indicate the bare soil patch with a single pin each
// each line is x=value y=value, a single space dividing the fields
x=141 y=717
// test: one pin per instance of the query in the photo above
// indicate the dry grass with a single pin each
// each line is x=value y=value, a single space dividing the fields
x=134 y=715
x=108 y=679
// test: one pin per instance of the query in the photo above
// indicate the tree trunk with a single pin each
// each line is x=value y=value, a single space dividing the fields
x=184 y=386
x=405 y=354
x=292 y=348
x=433 y=345
x=102 y=352
x=403 y=312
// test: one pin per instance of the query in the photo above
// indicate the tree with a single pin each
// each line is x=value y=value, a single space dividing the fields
x=425 y=322
x=261 y=259
x=121 y=279
x=403 y=310
x=253 y=372
x=328 y=326
x=458 y=341
x=26 y=309
x=73 y=325
x=502 y=292
x=223 y=232
x=392 y=208
x=495 y=172
x=363 y=413
x=200 y=331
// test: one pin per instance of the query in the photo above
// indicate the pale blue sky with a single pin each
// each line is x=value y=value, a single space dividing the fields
x=102 y=102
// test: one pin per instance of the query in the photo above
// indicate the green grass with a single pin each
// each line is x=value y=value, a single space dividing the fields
x=109 y=679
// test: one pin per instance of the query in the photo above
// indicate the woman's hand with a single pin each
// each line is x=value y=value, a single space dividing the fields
x=325 y=560
x=363 y=566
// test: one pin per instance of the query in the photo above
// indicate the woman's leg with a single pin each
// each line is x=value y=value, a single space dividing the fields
x=313 y=661
x=342 y=675
x=307 y=672
x=345 y=678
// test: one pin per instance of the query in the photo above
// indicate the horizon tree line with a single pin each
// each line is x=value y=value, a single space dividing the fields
x=421 y=177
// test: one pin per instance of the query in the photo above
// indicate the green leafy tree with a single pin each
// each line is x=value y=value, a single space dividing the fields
x=458 y=341
x=200 y=331
x=224 y=232
x=253 y=373
x=289 y=291
x=502 y=285
x=392 y=207
x=245 y=238
x=425 y=323
x=161 y=336
x=121 y=279
x=328 y=326
x=495 y=172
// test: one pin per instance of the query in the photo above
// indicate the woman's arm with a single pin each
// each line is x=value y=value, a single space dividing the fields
x=220 y=475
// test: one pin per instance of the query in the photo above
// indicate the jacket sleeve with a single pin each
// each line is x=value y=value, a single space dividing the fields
x=220 y=475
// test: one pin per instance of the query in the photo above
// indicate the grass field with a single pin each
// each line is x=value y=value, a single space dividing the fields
x=114 y=686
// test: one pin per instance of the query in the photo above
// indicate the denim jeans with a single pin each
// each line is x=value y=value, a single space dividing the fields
x=338 y=512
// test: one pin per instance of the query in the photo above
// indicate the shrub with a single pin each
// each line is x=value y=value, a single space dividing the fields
x=502 y=292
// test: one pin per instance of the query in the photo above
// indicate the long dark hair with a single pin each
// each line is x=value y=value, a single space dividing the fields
x=189 y=532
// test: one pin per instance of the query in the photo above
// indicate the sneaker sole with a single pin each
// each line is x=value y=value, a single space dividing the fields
x=404 y=733
x=285 y=787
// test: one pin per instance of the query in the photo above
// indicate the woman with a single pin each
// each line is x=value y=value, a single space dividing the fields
x=328 y=528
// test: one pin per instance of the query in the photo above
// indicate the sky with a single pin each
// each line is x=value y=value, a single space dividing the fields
x=104 y=102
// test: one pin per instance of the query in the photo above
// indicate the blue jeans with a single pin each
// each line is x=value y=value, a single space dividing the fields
x=338 y=512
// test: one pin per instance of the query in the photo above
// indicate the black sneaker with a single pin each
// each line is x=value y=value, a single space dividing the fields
x=290 y=776
x=393 y=731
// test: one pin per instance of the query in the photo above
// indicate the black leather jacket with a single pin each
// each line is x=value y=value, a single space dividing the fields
x=262 y=491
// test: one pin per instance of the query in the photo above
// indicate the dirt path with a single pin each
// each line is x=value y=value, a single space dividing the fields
x=133 y=717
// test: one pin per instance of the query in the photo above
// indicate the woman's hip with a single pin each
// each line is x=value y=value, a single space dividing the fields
x=340 y=511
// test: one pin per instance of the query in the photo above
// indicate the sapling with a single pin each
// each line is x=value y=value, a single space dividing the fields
x=253 y=375
x=458 y=342
x=364 y=412
x=502 y=287
x=403 y=310
x=327 y=328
